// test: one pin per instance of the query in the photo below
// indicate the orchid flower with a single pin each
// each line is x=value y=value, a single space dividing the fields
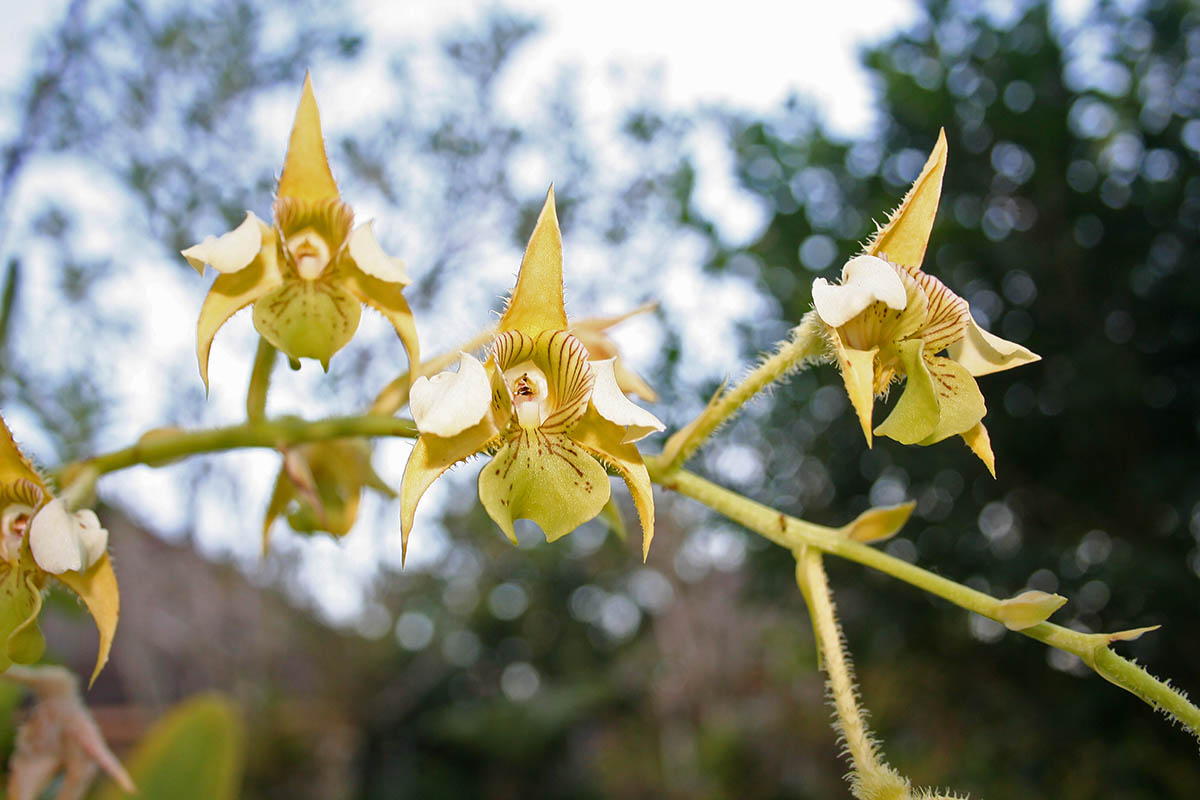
x=40 y=539
x=320 y=485
x=555 y=421
x=887 y=320
x=309 y=273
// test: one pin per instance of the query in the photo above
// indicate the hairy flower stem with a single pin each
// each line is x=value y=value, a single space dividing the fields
x=792 y=533
x=260 y=381
x=269 y=433
x=804 y=346
x=394 y=396
x=870 y=777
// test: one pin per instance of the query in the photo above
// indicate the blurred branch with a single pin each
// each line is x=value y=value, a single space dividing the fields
x=11 y=277
x=164 y=446
x=806 y=344
x=793 y=533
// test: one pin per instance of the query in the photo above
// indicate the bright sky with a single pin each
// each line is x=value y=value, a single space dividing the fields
x=751 y=53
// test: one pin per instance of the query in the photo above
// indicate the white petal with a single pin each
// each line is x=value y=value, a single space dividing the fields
x=983 y=353
x=450 y=402
x=614 y=406
x=371 y=259
x=92 y=536
x=230 y=252
x=54 y=539
x=865 y=280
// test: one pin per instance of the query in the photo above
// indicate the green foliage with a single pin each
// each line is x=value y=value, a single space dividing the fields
x=194 y=751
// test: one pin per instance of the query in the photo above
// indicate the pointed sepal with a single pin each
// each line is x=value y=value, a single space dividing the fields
x=983 y=353
x=306 y=174
x=605 y=441
x=537 y=300
x=97 y=587
x=231 y=293
x=904 y=237
x=388 y=299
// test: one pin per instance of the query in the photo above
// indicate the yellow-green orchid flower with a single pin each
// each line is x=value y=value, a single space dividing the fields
x=555 y=421
x=309 y=273
x=887 y=319
x=320 y=485
x=40 y=539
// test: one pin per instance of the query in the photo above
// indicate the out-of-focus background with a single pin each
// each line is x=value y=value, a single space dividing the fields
x=1069 y=220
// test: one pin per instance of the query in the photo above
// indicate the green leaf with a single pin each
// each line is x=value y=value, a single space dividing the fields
x=195 y=752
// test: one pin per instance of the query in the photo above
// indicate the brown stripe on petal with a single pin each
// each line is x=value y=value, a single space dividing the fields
x=511 y=348
x=22 y=491
x=946 y=316
x=331 y=218
x=569 y=376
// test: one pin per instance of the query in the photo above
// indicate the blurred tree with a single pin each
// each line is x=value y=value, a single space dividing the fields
x=1068 y=220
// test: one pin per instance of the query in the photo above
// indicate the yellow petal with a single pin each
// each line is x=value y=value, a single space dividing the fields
x=603 y=439
x=369 y=256
x=308 y=319
x=858 y=373
x=306 y=173
x=946 y=315
x=97 y=587
x=229 y=252
x=983 y=353
x=544 y=477
x=231 y=293
x=905 y=235
x=430 y=457
x=1028 y=609
x=614 y=406
x=388 y=299
x=450 y=402
x=981 y=445
x=940 y=399
x=14 y=466
x=537 y=300
x=866 y=280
